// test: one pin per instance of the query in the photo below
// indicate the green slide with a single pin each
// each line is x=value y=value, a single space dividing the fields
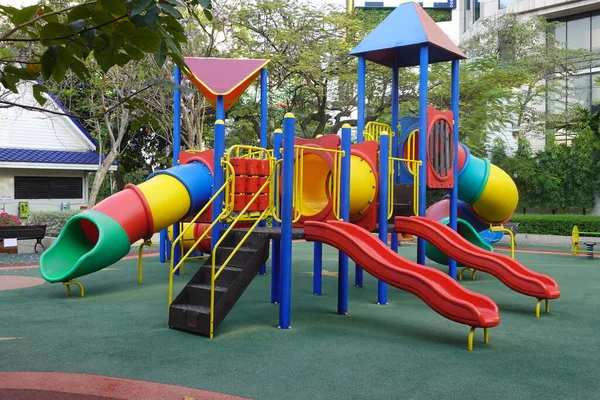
x=74 y=255
x=466 y=230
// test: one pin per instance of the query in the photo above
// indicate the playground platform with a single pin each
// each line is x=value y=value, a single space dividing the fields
x=118 y=332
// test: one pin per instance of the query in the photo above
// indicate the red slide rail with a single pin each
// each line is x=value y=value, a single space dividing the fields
x=510 y=272
x=440 y=292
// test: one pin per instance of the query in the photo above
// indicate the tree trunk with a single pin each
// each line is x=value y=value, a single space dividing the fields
x=120 y=180
x=103 y=169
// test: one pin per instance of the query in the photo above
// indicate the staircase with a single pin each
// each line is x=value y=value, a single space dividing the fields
x=190 y=311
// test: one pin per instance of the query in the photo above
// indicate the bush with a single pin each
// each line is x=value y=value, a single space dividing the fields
x=7 y=219
x=556 y=224
x=54 y=220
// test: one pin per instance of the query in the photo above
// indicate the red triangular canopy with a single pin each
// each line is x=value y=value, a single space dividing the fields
x=225 y=77
x=436 y=35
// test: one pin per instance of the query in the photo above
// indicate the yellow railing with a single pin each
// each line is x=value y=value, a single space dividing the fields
x=299 y=152
x=501 y=228
x=411 y=152
x=373 y=130
x=179 y=239
x=410 y=164
x=215 y=274
x=243 y=151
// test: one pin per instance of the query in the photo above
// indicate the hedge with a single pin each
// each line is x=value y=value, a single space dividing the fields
x=556 y=224
x=54 y=220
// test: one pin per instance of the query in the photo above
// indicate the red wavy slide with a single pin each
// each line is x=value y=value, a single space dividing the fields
x=510 y=272
x=443 y=294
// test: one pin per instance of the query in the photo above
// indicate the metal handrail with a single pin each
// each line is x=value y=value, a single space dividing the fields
x=214 y=275
x=179 y=238
x=391 y=185
x=299 y=152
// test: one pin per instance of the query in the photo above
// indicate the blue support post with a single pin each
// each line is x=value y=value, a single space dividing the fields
x=286 y=221
x=162 y=256
x=264 y=111
x=317 y=268
x=423 y=80
x=276 y=248
x=395 y=139
x=454 y=191
x=176 y=149
x=345 y=216
x=220 y=108
x=360 y=127
x=382 y=219
x=219 y=178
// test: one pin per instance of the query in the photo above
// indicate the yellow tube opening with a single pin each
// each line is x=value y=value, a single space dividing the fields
x=315 y=185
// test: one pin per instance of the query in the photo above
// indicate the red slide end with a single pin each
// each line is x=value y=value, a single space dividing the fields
x=510 y=272
x=440 y=292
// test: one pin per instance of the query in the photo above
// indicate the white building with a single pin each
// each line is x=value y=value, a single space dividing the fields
x=44 y=158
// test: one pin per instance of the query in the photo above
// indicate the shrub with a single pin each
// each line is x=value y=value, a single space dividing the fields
x=7 y=219
x=54 y=220
x=556 y=224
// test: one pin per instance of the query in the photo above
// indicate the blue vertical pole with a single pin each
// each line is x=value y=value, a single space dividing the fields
x=360 y=127
x=276 y=256
x=423 y=79
x=176 y=148
x=163 y=246
x=264 y=111
x=384 y=162
x=395 y=119
x=219 y=177
x=345 y=216
x=220 y=109
x=317 y=268
x=454 y=191
x=286 y=221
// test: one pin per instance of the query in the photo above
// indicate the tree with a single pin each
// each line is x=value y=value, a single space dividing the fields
x=311 y=72
x=43 y=42
x=521 y=59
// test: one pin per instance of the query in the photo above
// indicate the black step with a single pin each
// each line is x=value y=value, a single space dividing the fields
x=195 y=318
x=199 y=294
x=190 y=309
x=227 y=276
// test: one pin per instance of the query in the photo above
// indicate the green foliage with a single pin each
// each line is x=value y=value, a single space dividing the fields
x=556 y=224
x=52 y=42
x=439 y=14
x=54 y=220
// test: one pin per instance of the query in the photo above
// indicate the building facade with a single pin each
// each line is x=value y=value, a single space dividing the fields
x=45 y=158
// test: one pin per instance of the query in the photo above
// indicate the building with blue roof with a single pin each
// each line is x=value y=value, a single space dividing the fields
x=45 y=159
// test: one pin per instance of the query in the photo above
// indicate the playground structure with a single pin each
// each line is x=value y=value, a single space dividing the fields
x=325 y=190
x=589 y=243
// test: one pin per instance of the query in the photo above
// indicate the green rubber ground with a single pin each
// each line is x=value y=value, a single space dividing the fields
x=399 y=351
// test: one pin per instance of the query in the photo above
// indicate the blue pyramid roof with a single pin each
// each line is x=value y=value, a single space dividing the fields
x=397 y=40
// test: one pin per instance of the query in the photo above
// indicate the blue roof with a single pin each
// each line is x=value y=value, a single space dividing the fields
x=49 y=156
x=397 y=40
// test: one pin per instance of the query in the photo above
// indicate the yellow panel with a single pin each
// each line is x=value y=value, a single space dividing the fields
x=499 y=199
x=168 y=200
x=315 y=187
x=363 y=185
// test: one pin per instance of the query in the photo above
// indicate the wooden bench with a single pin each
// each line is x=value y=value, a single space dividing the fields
x=25 y=232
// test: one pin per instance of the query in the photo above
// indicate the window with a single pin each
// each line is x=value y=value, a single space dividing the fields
x=580 y=91
x=503 y=3
x=578 y=34
x=39 y=187
x=477 y=11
